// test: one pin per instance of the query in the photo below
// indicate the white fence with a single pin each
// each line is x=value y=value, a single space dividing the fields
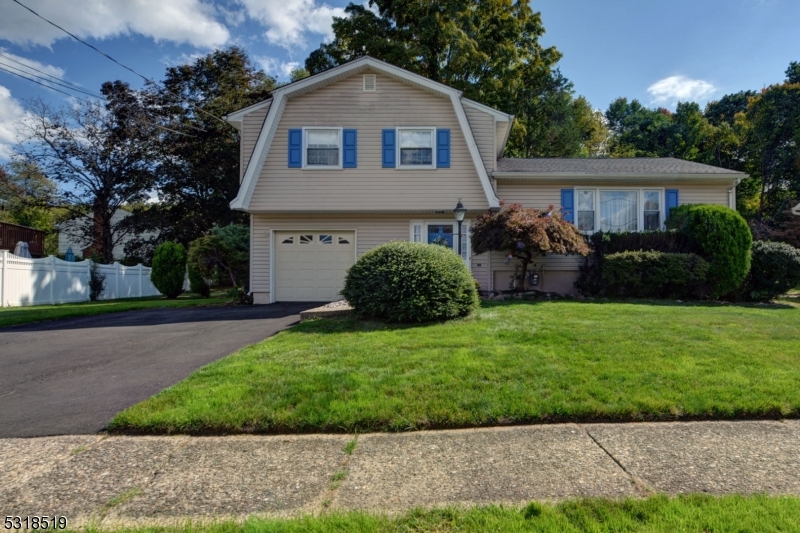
x=53 y=281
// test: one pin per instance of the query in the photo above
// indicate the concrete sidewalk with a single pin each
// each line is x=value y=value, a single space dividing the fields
x=112 y=481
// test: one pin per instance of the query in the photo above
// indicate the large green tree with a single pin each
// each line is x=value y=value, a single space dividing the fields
x=772 y=146
x=488 y=49
x=104 y=155
x=199 y=175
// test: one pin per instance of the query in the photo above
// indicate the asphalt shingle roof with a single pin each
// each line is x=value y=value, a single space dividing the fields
x=637 y=165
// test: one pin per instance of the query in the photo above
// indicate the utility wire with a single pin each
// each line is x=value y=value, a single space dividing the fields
x=87 y=101
x=57 y=79
x=145 y=78
x=58 y=83
x=45 y=85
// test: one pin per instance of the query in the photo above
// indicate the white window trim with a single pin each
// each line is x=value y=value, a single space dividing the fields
x=465 y=226
x=640 y=204
x=306 y=166
x=398 y=155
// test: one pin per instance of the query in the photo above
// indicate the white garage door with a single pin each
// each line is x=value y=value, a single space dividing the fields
x=310 y=265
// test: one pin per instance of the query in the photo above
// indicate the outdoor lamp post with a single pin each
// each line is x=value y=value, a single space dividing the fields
x=459 y=213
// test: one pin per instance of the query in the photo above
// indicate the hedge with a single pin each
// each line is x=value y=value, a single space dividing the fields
x=654 y=275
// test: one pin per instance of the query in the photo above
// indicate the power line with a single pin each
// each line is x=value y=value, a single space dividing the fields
x=145 y=78
x=56 y=82
x=153 y=124
x=57 y=79
x=45 y=85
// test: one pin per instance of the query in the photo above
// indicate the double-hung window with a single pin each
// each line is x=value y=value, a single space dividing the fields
x=322 y=148
x=613 y=210
x=417 y=147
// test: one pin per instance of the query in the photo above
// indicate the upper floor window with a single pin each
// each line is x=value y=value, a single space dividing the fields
x=416 y=147
x=323 y=147
x=619 y=210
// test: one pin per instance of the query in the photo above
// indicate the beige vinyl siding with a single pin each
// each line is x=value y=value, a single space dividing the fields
x=482 y=126
x=368 y=187
x=701 y=194
x=480 y=270
x=539 y=196
x=251 y=127
x=500 y=136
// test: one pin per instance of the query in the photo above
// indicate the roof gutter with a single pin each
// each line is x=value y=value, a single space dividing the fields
x=582 y=177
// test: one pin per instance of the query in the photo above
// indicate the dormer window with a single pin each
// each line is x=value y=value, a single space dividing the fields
x=416 y=147
x=322 y=148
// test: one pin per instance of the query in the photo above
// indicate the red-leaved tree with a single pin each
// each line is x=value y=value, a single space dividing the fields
x=525 y=233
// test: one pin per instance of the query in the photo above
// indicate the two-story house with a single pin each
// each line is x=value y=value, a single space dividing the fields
x=365 y=153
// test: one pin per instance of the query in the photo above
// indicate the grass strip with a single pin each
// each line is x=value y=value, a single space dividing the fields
x=691 y=513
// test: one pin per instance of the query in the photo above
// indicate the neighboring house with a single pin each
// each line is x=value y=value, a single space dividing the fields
x=74 y=233
x=366 y=153
x=796 y=209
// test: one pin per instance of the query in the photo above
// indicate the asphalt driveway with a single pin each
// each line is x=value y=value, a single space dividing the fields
x=71 y=376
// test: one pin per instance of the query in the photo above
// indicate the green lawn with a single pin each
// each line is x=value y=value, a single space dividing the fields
x=656 y=514
x=13 y=316
x=514 y=362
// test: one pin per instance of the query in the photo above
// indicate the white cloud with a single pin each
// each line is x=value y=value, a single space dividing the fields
x=13 y=61
x=273 y=66
x=289 y=21
x=11 y=113
x=181 y=21
x=680 y=88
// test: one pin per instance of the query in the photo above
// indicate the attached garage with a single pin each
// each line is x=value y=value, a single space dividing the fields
x=310 y=265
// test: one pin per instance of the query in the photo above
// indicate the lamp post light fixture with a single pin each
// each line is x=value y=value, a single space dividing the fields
x=459 y=212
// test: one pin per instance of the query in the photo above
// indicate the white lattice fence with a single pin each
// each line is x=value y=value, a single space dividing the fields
x=53 y=281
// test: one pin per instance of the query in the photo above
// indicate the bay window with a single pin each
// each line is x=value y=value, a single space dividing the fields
x=622 y=209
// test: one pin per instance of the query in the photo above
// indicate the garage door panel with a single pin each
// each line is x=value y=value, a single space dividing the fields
x=311 y=265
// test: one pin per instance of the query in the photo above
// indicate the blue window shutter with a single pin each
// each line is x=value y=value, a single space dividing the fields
x=389 y=150
x=443 y=148
x=295 y=148
x=568 y=205
x=672 y=199
x=350 y=156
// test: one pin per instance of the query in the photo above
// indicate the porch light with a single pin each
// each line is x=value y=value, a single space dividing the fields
x=459 y=212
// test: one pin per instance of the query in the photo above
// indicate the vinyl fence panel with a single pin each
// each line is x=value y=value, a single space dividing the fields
x=52 y=281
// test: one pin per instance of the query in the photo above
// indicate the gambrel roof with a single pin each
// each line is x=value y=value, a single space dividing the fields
x=282 y=94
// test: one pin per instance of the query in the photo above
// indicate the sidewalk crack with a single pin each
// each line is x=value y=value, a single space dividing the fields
x=641 y=485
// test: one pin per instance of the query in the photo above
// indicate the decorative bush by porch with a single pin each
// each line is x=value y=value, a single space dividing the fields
x=654 y=275
x=169 y=269
x=775 y=269
x=410 y=282
x=721 y=236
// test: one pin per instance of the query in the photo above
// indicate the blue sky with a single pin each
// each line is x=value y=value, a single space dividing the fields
x=657 y=52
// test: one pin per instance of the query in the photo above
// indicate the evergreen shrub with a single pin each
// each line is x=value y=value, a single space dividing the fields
x=654 y=275
x=410 y=282
x=775 y=269
x=721 y=236
x=169 y=269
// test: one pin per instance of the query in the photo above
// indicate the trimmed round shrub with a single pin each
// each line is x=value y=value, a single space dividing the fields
x=721 y=236
x=654 y=275
x=169 y=269
x=775 y=269
x=410 y=282
x=197 y=283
